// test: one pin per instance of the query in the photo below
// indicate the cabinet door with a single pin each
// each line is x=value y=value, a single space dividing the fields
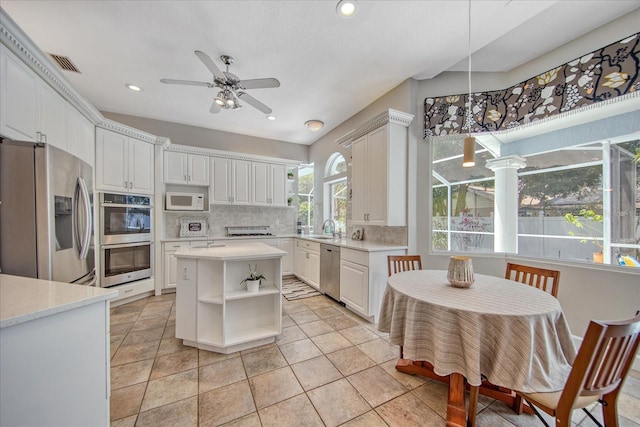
x=278 y=185
x=260 y=193
x=359 y=180
x=220 y=181
x=81 y=135
x=19 y=105
x=53 y=120
x=377 y=191
x=241 y=182
x=170 y=266
x=300 y=261
x=198 y=170
x=287 y=260
x=175 y=168
x=354 y=286
x=111 y=160
x=140 y=166
x=314 y=268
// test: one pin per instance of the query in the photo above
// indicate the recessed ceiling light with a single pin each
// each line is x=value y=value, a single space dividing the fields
x=133 y=87
x=271 y=117
x=314 y=125
x=346 y=8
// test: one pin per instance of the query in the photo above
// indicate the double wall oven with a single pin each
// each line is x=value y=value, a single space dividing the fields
x=126 y=242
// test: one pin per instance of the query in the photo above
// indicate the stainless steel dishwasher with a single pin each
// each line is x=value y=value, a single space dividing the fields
x=330 y=270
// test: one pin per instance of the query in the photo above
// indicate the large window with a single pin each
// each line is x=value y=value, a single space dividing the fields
x=305 y=197
x=335 y=183
x=579 y=203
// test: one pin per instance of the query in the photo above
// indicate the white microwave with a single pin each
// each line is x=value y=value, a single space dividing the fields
x=184 y=201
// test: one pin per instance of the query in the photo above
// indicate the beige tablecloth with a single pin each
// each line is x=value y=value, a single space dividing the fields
x=514 y=334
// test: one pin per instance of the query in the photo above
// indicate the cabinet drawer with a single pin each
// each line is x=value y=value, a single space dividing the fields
x=174 y=246
x=357 y=257
x=313 y=246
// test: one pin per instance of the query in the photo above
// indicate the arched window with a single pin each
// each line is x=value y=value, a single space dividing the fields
x=335 y=190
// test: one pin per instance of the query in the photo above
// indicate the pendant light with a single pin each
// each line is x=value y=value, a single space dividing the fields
x=469 y=153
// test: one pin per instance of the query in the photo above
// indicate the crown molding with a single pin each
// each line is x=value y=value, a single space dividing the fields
x=390 y=116
x=229 y=154
x=26 y=50
x=131 y=132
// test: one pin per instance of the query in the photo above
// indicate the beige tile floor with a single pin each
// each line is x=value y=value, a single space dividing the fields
x=328 y=368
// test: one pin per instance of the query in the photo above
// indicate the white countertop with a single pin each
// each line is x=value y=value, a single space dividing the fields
x=360 y=245
x=240 y=251
x=23 y=299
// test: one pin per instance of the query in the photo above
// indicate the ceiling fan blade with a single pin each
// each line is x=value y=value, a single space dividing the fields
x=208 y=62
x=259 y=83
x=254 y=102
x=186 y=82
x=215 y=107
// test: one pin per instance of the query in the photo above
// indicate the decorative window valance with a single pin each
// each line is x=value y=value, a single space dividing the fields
x=605 y=75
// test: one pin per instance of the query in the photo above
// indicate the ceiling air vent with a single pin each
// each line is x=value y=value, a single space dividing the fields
x=64 y=63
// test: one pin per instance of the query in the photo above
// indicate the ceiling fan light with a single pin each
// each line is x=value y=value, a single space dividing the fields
x=219 y=99
x=469 y=157
x=346 y=8
x=314 y=125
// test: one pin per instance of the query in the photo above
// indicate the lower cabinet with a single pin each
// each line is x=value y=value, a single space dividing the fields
x=363 y=279
x=128 y=291
x=306 y=261
x=169 y=266
x=215 y=312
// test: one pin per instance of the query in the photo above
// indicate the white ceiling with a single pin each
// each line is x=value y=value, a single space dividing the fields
x=329 y=67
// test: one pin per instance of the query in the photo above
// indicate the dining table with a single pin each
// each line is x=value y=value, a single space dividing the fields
x=494 y=337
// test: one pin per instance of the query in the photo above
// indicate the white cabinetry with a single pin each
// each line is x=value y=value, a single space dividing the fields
x=363 y=279
x=123 y=164
x=379 y=170
x=170 y=263
x=306 y=263
x=214 y=311
x=186 y=169
x=230 y=181
x=287 y=261
x=269 y=184
x=31 y=110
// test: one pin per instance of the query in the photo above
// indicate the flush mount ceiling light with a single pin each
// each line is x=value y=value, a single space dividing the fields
x=314 y=125
x=133 y=87
x=346 y=8
x=271 y=117
x=469 y=152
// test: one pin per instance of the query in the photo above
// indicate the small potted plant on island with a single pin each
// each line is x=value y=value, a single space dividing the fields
x=253 y=279
x=591 y=216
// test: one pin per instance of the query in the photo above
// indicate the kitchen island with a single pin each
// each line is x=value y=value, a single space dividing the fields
x=54 y=353
x=214 y=310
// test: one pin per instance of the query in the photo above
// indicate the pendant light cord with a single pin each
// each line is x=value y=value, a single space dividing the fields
x=469 y=46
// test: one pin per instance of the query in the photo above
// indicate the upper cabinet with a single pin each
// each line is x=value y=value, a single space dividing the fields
x=31 y=110
x=186 y=169
x=269 y=184
x=230 y=181
x=123 y=164
x=379 y=170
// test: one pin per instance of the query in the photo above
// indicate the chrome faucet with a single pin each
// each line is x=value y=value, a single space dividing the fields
x=332 y=224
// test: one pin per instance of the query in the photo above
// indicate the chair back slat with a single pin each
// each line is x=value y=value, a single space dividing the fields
x=541 y=278
x=603 y=360
x=399 y=263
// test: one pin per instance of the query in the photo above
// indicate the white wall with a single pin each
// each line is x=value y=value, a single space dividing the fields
x=214 y=139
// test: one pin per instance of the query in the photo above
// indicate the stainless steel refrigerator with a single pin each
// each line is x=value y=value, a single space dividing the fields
x=46 y=226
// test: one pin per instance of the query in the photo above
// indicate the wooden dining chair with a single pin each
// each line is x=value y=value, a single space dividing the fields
x=541 y=278
x=599 y=370
x=398 y=263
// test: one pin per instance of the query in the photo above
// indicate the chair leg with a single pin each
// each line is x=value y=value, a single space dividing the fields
x=401 y=353
x=609 y=409
x=535 y=411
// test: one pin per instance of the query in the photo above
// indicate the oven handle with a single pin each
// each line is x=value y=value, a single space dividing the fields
x=121 y=205
x=83 y=194
x=126 y=245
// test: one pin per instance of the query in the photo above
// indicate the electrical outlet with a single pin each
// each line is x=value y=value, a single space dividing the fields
x=185 y=274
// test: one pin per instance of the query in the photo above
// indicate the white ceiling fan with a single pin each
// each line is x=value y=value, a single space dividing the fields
x=232 y=89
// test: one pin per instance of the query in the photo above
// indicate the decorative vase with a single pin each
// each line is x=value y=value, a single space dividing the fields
x=253 y=285
x=460 y=273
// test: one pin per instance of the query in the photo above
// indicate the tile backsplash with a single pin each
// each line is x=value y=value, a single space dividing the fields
x=281 y=220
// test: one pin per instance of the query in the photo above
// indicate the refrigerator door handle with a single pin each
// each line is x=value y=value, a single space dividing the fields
x=83 y=194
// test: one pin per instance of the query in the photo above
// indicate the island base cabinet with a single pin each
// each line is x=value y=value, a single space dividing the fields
x=214 y=310
x=54 y=371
